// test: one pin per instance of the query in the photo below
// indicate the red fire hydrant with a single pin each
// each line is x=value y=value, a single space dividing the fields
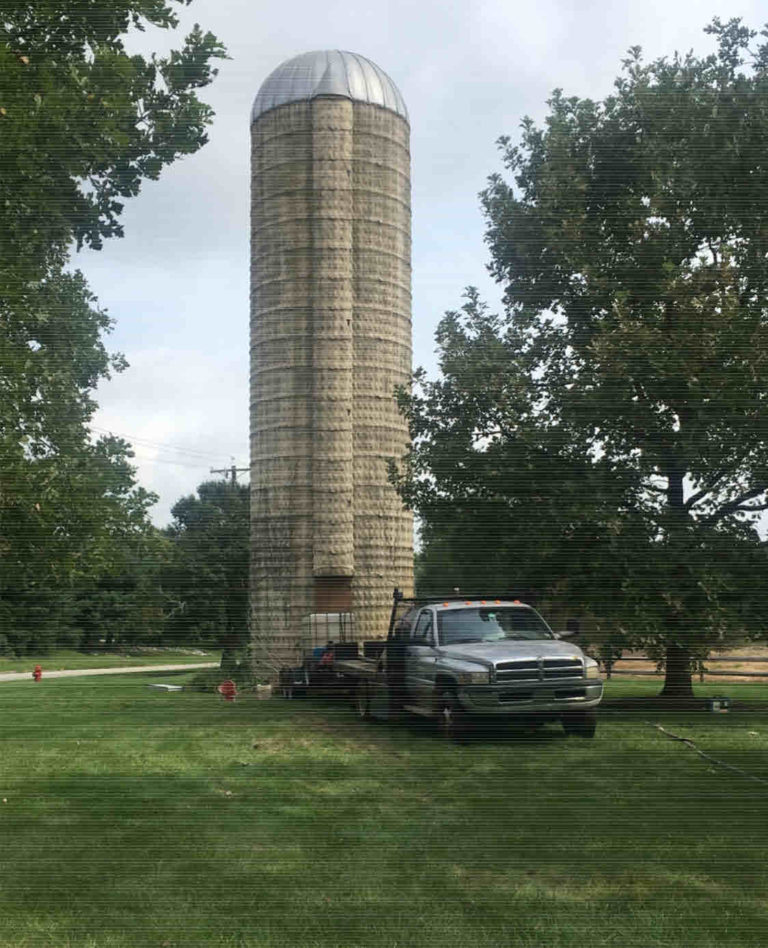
x=228 y=689
x=37 y=674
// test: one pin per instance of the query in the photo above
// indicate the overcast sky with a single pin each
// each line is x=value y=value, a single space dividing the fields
x=469 y=70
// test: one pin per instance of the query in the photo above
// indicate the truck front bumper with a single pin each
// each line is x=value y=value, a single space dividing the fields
x=550 y=697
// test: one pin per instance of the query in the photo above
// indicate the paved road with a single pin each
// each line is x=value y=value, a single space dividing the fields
x=71 y=672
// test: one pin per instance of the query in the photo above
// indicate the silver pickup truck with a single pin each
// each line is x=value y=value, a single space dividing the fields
x=471 y=660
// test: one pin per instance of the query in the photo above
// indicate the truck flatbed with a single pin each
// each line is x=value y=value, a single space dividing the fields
x=358 y=668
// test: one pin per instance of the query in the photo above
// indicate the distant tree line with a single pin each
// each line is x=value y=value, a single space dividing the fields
x=184 y=585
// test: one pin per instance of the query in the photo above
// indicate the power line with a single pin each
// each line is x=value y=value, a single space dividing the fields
x=156 y=460
x=146 y=442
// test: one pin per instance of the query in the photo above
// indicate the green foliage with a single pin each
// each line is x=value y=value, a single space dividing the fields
x=52 y=478
x=82 y=124
x=85 y=523
x=206 y=578
x=125 y=605
x=605 y=439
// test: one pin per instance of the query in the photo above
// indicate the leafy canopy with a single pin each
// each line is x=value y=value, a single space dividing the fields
x=82 y=124
x=609 y=430
x=207 y=574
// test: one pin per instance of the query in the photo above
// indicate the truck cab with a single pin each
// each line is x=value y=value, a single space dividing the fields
x=494 y=659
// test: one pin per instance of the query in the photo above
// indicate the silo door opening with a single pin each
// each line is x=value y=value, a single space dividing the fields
x=333 y=594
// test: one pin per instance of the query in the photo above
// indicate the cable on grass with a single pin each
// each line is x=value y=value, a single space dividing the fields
x=719 y=763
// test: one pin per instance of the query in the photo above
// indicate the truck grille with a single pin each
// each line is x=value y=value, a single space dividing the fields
x=544 y=669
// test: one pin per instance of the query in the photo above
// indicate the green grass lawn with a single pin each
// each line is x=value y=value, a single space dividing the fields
x=134 y=817
x=63 y=658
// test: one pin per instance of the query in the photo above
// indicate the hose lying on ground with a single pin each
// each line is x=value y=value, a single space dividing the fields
x=713 y=760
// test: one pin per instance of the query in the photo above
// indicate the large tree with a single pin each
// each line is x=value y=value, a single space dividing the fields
x=610 y=427
x=82 y=124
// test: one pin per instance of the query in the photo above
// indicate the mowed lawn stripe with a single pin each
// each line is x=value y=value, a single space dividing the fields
x=138 y=817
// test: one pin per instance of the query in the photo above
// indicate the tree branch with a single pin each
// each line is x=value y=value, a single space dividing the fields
x=733 y=505
x=708 y=486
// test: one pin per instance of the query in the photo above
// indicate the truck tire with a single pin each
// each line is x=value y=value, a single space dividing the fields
x=362 y=700
x=451 y=717
x=581 y=723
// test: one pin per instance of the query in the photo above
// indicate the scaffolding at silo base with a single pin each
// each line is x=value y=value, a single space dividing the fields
x=321 y=629
x=325 y=637
x=330 y=343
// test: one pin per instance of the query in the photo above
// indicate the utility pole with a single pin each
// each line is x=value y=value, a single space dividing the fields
x=231 y=471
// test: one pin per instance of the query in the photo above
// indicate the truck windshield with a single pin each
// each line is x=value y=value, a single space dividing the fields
x=490 y=625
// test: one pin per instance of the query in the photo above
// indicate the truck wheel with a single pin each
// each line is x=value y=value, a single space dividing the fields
x=581 y=723
x=451 y=717
x=362 y=701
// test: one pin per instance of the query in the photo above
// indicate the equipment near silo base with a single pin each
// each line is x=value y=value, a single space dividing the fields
x=325 y=638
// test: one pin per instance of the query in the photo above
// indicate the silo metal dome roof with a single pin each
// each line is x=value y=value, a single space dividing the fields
x=328 y=72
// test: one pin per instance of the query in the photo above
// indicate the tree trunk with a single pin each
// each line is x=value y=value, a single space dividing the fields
x=229 y=644
x=229 y=663
x=678 y=681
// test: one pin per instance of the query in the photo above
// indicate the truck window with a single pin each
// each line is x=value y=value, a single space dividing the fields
x=422 y=631
x=403 y=625
x=491 y=625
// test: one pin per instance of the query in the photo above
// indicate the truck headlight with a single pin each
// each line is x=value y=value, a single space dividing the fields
x=474 y=678
x=592 y=670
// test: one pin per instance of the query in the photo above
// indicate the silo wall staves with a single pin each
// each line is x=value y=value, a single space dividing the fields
x=330 y=340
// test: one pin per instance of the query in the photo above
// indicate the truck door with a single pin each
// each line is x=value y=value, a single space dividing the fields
x=420 y=659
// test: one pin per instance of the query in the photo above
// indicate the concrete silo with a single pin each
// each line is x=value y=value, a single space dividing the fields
x=330 y=340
